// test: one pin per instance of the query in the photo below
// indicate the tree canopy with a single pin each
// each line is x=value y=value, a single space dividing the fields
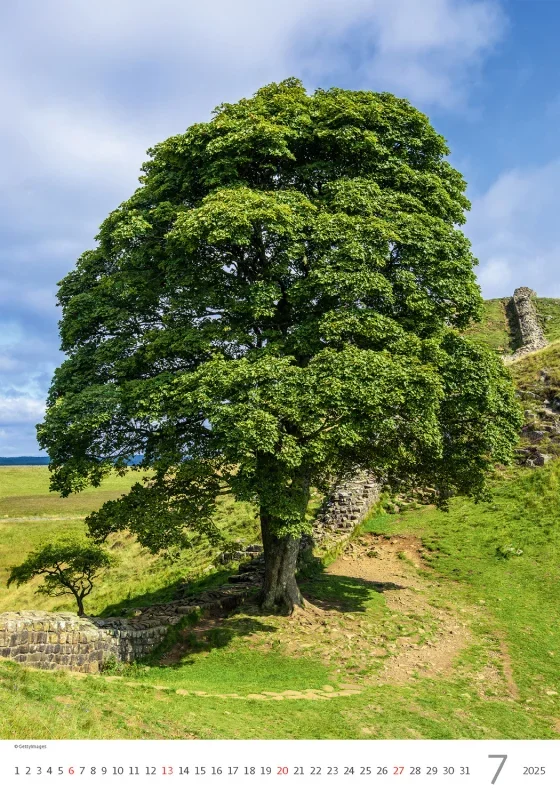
x=67 y=568
x=279 y=303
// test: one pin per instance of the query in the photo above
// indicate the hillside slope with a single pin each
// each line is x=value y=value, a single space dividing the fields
x=537 y=378
x=498 y=328
x=431 y=625
x=31 y=516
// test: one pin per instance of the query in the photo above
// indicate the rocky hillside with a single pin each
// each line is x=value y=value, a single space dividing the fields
x=525 y=331
x=537 y=377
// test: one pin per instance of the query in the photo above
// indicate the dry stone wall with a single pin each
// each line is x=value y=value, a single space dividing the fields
x=65 y=641
x=532 y=336
x=346 y=507
x=47 y=640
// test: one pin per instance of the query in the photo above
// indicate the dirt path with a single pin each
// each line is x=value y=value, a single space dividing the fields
x=363 y=646
x=394 y=569
x=324 y=693
x=507 y=668
x=419 y=628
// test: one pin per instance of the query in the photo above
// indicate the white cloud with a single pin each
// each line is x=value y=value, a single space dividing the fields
x=20 y=409
x=19 y=440
x=9 y=364
x=428 y=51
x=10 y=334
x=239 y=35
x=86 y=87
x=494 y=276
x=514 y=231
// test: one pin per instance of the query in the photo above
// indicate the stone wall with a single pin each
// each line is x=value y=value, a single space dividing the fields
x=346 y=507
x=532 y=336
x=66 y=641
x=47 y=640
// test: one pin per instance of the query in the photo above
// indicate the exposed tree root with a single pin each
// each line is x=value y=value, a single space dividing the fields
x=306 y=612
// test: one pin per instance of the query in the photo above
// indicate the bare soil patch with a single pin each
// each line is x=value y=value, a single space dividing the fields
x=393 y=568
x=507 y=668
x=423 y=634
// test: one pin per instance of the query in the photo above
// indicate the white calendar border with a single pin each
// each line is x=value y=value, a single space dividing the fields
x=482 y=759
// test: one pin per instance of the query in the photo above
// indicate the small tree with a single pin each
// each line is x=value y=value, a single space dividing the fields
x=67 y=569
x=278 y=304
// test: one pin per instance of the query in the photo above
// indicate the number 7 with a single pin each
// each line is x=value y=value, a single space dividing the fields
x=504 y=758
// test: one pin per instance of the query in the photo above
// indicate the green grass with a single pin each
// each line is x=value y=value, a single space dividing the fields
x=496 y=330
x=548 y=309
x=493 y=330
x=508 y=603
x=34 y=482
x=38 y=705
x=30 y=517
x=537 y=377
x=526 y=371
x=519 y=596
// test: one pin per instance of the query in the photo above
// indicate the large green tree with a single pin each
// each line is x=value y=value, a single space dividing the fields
x=278 y=304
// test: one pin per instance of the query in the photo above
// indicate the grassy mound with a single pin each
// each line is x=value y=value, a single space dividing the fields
x=493 y=330
x=505 y=556
x=537 y=377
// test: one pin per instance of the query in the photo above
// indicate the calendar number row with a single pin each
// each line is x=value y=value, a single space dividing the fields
x=241 y=770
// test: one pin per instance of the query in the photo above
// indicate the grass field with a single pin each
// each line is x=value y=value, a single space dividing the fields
x=548 y=309
x=495 y=330
x=426 y=629
x=30 y=516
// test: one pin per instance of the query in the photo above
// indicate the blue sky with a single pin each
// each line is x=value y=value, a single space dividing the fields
x=87 y=87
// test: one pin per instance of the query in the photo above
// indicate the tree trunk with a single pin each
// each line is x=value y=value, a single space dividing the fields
x=280 y=590
x=80 y=602
x=281 y=549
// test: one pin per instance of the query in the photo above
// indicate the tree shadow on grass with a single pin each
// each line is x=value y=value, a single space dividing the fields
x=342 y=593
x=210 y=632
x=180 y=590
x=217 y=630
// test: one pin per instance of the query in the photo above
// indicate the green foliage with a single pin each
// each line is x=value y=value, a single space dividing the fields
x=277 y=304
x=67 y=568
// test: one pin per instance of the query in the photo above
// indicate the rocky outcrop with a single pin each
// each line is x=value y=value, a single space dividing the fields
x=540 y=434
